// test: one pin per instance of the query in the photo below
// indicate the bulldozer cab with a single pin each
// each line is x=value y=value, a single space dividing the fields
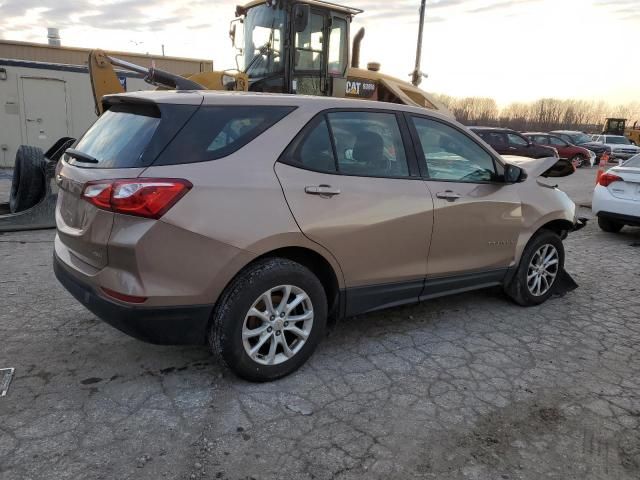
x=614 y=126
x=289 y=46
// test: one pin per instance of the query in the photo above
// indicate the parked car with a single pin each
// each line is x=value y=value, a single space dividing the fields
x=581 y=139
x=579 y=156
x=509 y=142
x=621 y=147
x=247 y=220
x=616 y=198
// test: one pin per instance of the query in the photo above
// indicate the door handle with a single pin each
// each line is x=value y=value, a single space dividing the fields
x=322 y=190
x=513 y=148
x=448 y=195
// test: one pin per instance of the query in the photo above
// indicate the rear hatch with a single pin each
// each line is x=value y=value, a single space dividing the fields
x=121 y=144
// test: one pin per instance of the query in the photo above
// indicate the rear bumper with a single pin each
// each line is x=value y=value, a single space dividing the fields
x=603 y=202
x=621 y=218
x=160 y=325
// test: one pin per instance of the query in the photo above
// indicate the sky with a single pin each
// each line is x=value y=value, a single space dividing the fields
x=510 y=50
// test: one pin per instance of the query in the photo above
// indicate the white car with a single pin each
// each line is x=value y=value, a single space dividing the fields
x=616 y=198
x=621 y=146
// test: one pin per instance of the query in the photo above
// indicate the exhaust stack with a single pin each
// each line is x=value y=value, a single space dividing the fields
x=355 y=50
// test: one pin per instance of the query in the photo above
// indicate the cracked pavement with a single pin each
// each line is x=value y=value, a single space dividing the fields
x=463 y=387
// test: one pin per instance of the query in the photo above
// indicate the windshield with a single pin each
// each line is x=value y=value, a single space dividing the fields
x=263 y=41
x=579 y=138
x=618 y=140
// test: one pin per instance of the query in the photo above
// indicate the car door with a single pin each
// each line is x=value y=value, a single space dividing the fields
x=477 y=216
x=352 y=184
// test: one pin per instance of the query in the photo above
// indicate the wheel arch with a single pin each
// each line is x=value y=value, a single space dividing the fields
x=560 y=226
x=318 y=265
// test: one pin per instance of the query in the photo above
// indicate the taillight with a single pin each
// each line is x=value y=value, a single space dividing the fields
x=142 y=197
x=607 y=179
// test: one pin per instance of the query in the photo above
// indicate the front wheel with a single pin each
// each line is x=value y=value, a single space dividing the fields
x=269 y=320
x=537 y=274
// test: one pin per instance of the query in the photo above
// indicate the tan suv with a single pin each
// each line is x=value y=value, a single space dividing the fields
x=247 y=220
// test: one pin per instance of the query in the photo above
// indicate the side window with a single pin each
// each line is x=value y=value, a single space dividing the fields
x=309 y=44
x=338 y=48
x=217 y=131
x=315 y=152
x=368 y=144
x=516 y=140
x=451 y=155
x=557 y=142
x=540 y=139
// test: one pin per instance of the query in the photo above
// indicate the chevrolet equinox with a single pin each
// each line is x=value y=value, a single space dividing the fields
x=245 y=221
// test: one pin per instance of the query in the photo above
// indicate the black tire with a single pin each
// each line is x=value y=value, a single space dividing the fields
x=225 y=332
x=610 y=226
x=579 y=161
x=28 y=184
x=517 y=289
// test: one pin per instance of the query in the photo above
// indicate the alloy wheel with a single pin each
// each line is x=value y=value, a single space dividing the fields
x=543 y=270
x=277 y=325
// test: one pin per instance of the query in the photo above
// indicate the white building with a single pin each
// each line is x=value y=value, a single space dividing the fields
x=45 y=91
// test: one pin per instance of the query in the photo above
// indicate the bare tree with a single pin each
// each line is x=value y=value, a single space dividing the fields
x=544 y=114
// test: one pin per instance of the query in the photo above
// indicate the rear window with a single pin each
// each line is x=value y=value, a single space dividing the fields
x=119 y=137
x=633 y=162
x=139 y=135
x=217 y=131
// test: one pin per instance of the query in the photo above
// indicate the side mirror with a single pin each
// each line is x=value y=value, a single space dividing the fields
x=301 y=13
x=236 y=33
x=514 y=174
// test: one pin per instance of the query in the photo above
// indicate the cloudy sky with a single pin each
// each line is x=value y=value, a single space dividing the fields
x=511 y=50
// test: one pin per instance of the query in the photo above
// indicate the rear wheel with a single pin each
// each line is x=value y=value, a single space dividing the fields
x=27 y=186
x=269 y=320
x=540 y=266
x=610 y=226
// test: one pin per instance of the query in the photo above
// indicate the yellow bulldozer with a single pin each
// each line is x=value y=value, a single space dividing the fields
x=283 y=46
x=619 y=126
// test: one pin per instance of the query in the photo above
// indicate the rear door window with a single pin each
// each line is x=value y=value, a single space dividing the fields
x=495 y=139
x=359 y=143
x=368 y=144
x=516 y=140
x=217 y=131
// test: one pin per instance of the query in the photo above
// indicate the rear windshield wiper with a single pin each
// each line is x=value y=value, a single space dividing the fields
x=80 y=156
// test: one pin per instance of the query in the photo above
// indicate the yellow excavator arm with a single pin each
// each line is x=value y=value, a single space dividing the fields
x=104 y=79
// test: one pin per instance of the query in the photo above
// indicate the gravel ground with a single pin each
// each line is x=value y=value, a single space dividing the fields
x=465 y=387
